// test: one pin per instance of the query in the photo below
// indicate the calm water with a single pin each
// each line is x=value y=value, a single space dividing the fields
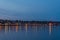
x=30 y=32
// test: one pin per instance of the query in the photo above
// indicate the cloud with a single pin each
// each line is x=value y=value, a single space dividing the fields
x=30 y=9
x=12 y=6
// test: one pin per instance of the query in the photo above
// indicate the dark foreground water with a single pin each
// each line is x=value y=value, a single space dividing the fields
x=30 y=32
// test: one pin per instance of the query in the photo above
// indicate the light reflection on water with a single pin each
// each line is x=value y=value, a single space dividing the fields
x=28 y=32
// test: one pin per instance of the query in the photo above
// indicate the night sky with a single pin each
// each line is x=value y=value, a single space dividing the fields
x=30 y=9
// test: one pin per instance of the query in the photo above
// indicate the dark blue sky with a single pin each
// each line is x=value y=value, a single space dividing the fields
x=30 y=9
